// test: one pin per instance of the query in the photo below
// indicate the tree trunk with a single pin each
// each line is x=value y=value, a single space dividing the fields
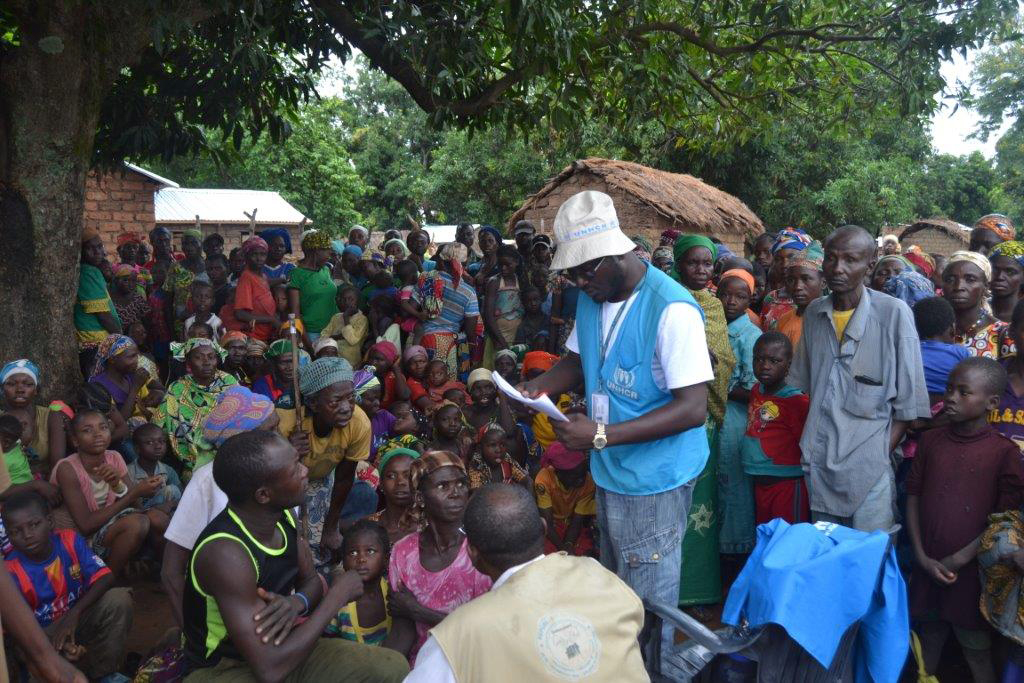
x=52 y=86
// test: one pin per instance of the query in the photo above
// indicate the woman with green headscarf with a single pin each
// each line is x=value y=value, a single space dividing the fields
x=701 y=582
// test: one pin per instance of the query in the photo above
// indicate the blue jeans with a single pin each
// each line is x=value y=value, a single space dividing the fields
x=641 y=540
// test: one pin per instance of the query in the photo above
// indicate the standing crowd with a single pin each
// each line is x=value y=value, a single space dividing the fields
x=309 y=448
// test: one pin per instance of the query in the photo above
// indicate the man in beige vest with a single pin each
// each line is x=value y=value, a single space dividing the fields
x=547 y=618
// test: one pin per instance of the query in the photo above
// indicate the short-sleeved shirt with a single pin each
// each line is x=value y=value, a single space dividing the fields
x=563 y=502
x=282 y=270
x=939 y=359
x=92 y=298
x=53 y=586
x=351 y=442
x=253 y=294
x=317 y=293
x=459 y=303
x=1008 y=418
x=201 y=501
x=171 y=491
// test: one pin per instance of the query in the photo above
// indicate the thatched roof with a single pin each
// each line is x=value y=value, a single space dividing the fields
x=957 y=231
x=688 y=202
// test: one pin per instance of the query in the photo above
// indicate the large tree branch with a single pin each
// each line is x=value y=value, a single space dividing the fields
x=691 y=36
x=382 y=56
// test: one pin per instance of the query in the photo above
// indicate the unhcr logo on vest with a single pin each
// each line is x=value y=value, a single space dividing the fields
x=622 y=382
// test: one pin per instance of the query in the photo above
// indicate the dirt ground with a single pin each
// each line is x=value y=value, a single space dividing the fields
x=152 y=616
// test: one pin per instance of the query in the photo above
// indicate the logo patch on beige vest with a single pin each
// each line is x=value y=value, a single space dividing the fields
x=568 y=645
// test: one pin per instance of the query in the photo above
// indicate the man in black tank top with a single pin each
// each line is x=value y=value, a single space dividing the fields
x=250 y=576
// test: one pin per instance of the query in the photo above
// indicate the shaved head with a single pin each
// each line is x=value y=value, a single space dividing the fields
x=502 y=523
x=852 y=236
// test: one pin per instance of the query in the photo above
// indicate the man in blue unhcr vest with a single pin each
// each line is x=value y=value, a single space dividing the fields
x=638 y=347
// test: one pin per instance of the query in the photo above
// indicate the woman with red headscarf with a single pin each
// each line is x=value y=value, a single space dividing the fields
x=254 y=310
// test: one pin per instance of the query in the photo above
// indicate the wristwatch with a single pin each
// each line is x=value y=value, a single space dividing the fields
x=600 y=440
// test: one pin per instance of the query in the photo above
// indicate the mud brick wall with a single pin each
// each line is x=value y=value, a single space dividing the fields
x=933 y=241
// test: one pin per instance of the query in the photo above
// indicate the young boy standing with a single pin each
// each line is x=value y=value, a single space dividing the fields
x=68 y=588
x=770 y=449
x=963 y=472
x=934 y=319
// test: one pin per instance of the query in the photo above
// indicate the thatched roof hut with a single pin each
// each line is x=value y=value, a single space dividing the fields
x=936 y=235
x=647 y=201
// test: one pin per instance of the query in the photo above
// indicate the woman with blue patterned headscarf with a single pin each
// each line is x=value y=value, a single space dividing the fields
x=788 y=243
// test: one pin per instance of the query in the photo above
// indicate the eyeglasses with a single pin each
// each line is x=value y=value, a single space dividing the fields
x=584 y=272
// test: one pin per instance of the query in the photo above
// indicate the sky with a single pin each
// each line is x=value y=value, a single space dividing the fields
x=951 y=129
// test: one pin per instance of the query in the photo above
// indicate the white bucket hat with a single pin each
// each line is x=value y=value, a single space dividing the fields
x=586 y=228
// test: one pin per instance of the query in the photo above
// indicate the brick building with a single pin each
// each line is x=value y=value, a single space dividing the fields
x=936 y=236
x=647 y=202
x=121 y=201
x=132 y=199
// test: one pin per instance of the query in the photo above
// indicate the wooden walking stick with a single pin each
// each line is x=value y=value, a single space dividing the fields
x=293 y=333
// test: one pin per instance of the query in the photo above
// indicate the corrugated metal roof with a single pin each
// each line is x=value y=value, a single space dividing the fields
x=152 y=176
x=182 y=205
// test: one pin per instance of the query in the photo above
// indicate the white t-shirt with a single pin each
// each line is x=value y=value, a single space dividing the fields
x=201 y=501
x=681 y=351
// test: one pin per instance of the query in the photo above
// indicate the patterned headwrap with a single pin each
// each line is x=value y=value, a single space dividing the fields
x=353 y=249
x=181 y=351
x=430 y=462
x=271 y=233
x=124 y=270
x=113 y=345
x=255 y=347
x=899 y=258
x=238 y=410
x=394 y=453
x=507 y=352
x=791 y=238
x=538 y=360
x=233 y=335
x=724 y=252
x=316 y=239
x=386 y=349
x=1011 y=249
x=129 y=238
x=813 y=256
x=671 y=234
x=999 y=224
x=663 y=252
x=322 y=373
x=909 y=286
x=921 y=259
x=972 y=257
x=20 y=367
x=363 y=380
x=687 y=242
x=415 y=351
x=279 y=347
x=478 y=375
x=739 y=274
x=192 y=232
x=643 y=247
x=399 y=242
x=455 y=253
x=254 y=244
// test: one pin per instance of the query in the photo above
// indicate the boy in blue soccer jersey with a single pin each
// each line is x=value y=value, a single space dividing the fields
x=68 y=588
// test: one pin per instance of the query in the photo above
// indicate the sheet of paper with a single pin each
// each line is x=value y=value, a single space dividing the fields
x=541 y=405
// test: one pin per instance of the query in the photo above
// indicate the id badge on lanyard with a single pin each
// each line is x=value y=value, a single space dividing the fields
x=600 y=408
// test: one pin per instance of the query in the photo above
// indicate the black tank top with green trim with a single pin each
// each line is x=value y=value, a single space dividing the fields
x=206 y=637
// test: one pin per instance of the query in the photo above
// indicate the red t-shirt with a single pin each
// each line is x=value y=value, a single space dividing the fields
x=253 y=294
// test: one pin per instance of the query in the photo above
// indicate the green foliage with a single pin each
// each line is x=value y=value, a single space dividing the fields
x=309 y=168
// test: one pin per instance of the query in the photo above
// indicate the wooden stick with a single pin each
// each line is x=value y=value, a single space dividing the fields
x=294 y=335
